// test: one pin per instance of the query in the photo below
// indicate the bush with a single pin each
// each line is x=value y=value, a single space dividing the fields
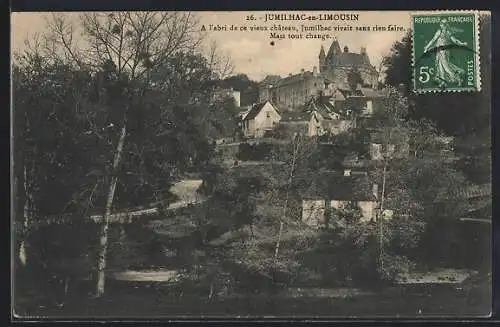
x=256 y=152
x=59 y=254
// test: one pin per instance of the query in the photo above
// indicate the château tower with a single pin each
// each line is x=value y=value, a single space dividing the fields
x=338 y=61
x=322 y=57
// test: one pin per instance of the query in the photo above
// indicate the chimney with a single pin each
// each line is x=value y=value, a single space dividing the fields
x=302 y=71
x=315 y=71
x=346 y=49
x=375 y=191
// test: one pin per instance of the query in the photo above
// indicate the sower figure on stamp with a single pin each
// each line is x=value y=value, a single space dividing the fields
x=446 y=71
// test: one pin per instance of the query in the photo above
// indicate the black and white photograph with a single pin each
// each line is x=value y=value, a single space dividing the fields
x=251 y=164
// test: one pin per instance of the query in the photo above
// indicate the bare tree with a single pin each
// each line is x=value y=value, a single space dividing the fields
x=61 y=43
x=219 y=62
x=138 y=41
x=297 y=144
x=392 y=133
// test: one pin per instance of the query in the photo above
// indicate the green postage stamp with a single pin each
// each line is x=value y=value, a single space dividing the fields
x=445 y=52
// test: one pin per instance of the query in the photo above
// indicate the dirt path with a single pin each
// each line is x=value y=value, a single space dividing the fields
x=160 y=275
x=185 y=190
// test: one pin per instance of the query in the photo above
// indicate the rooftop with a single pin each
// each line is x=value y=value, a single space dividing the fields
x=296 y=78
x=254 y=111
x=295 y=116
x=346 y=58
x=351 y=59
x=322 y=106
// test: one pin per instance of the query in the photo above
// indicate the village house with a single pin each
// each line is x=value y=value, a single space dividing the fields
x=360 y=104
x=325 y=118
x=293 y=123
x=261 y=118
x=335 y=191
x=317 y=118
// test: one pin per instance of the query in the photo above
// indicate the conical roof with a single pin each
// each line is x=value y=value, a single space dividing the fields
x=334 y=48
x=322 y=52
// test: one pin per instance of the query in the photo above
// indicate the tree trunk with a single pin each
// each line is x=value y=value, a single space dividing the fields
x=285 y=208
x=278 y=242
x=28 y=209
x=381 y=219
x=22 y=248
x=101 y=265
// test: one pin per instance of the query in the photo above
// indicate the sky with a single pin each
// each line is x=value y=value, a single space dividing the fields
x=251 y=51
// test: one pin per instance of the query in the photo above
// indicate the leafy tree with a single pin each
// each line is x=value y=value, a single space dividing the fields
x=466 y=117
x=240 y=82
x=421 y=186
x=398 y=64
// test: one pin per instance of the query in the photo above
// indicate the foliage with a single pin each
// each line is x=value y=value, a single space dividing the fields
x=254 y=152
x=240 y=82
x=422 y=186
x=57 y=148
x=357 y=243
x=339 y=146
x=233 y=200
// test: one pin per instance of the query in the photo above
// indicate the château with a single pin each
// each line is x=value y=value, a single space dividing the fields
x=295 y=91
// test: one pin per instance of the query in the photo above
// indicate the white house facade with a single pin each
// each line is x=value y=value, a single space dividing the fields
x=261 y=118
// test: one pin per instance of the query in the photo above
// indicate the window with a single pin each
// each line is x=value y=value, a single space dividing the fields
x=268 y=114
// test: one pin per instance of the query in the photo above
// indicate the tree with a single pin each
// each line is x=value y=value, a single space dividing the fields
x=240 y=82
x=220 y=64
x=121 y=106
x=420 y=186
x=351 y=245
x=398 y=69
x=464 y=116
x=132 y=44
x=296 y=142
x=49 y=152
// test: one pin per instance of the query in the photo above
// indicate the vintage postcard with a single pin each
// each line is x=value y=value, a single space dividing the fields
x=286 y=164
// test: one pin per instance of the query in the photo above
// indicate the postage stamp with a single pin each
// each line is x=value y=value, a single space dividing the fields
x=445 y=52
